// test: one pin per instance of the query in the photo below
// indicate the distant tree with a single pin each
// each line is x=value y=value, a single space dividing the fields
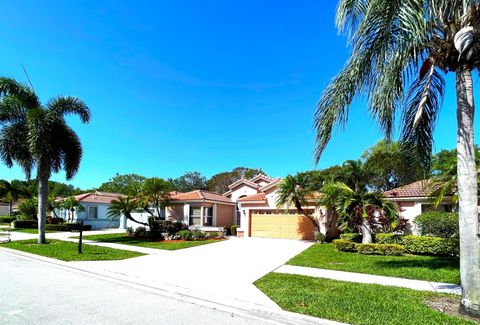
x=37 y=136
x=12 y=192
x=219 y=182
x=389 y=168
x=189 y=181
x=123 y=184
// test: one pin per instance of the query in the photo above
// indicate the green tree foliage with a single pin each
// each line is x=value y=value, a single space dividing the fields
x=123 y=184
x=37 y=137
x=12 y=192
x=189 y=181
x=124 y=206
x=156 y=192
x=219 y=182
x=28 y=208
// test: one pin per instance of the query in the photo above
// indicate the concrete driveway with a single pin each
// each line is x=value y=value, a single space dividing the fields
x=223 y=270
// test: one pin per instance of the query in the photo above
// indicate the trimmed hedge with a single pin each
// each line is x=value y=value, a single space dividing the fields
x=437 y=224
x=26 y=224
x=426 y=245
x=6 y=219
x=380 y=249
x=233 y=230
x=344 y=245
x=389 y=239
x=353 y=237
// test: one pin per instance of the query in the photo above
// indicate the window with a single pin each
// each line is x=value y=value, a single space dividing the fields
x=208 y=216
x=195 y=216
x=92 y=213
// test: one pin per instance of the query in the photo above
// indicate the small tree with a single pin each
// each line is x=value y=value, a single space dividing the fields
x=12 y=192
x=124 y=206
x=71 y=205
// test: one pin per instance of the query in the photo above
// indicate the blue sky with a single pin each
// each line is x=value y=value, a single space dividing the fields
x=178 y=86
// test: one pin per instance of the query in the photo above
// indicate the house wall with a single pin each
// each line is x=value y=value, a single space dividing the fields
x=224 y=217
x=175 y=211
x=102 y=221
x=242 y=191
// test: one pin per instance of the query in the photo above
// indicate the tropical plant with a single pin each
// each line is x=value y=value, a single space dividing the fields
x=12 y=192
x=156 y=191
x=28 y=209
x=400 y=51
x=36 y=136
x=359 y=210
x=294 y=190
x=71 y=205
x=123 y=184
x=124 y=205
x=53 y=205
x=437 y=223
x=355 y=174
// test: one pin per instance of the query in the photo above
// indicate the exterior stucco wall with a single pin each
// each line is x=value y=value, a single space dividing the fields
x=224 y=217
x=175 y=211
x=102 y=221
x=242 y=191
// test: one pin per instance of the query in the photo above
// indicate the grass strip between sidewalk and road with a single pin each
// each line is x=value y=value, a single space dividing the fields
x=67 y=251
x=26 y=230
x=121 y=238
x=355 y=303
x=427 y=268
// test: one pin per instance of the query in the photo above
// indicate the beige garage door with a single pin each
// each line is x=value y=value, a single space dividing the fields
x=289 y=226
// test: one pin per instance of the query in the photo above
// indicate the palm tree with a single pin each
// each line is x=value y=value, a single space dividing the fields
x=12 y=192
x=355 y=174
x=71 y=204
x=29 y=208
x=295 y=191
x=156 y=190
x=124 y=206
x=400 y=53
x=358 y=209
x=36 y=136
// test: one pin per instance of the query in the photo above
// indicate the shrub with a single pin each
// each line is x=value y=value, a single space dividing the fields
x=344 y=245
x=437 y=224
x=165 y=228
x=185 y=234
x=389 y=239
x=54 y=220
x=319 y=237
x=426 y=245
x=233 y=230
x=75 y=226
x=129 y=231
x=213 y=234
x=353 y=237
x=198 y=235
x=140 y=232
x=6 y=219
x=30 y=224
x=380 y=249
x=56 y=227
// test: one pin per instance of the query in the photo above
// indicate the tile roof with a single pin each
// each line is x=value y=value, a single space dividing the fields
x=97 y=197
x=200 y=195
x=420 y=188
x=253 y=197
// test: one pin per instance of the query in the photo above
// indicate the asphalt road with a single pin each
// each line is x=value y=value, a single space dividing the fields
x=32 y=292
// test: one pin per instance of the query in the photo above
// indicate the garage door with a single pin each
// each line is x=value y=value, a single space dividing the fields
x=289 y=226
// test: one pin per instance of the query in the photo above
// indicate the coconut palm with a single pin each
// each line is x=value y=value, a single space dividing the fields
x=355 y=174
x=400 y=53
x=71 y=205
x=36 y=136
x=156 y=190
x=124 y=205
x=12 y=192
x=360 y=210
x=295 y=191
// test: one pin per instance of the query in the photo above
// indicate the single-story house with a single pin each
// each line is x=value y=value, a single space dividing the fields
x=94 y=212
x=257 y=214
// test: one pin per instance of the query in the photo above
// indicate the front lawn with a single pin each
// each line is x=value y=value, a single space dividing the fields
x=28 y=230
x=353 y=303
x=127 y=240
x=430 y=268
x=67 y=251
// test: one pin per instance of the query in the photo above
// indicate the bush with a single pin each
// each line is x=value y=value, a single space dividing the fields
x=129 y=231
x=437 y=224
x=233 y=230
x=343 y=245
x=56 y=227
x=380 y=249
x=185 y=234
x=140 y=232
x=160 y=229
x=198 y=235
x=28 y=224
x=54 y=220
x=426 y=245
x=353 y=237
x=389 y=239
x=75 y=226
x=213 y=234
x=6 y=219
x=319 y=237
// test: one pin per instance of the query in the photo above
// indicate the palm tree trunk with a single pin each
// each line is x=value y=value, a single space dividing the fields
x=42 y=202
x=467 y=193
x=10 y=207
x=367 y=232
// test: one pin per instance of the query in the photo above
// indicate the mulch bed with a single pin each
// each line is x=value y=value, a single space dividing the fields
x=449 y=306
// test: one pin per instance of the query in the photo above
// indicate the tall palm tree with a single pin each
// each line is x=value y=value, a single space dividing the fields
x=358 y=209
x=400 y=53
x=37 y=136
x=12 y=192
x=355 y=174
x=124 y=206
x=295 y=191
x=156 y=190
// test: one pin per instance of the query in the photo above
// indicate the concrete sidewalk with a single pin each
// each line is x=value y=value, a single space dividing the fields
x=370 y=278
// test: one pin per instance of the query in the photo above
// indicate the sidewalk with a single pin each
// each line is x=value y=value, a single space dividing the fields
x=370 y=278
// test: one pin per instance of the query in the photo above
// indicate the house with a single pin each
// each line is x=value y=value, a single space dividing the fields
x=414 y=199
x=93 y=211
x=257 y=214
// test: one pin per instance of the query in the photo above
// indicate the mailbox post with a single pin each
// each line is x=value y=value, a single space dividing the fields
x=80 y=238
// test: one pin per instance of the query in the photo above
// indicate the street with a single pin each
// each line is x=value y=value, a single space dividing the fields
x=33 y=292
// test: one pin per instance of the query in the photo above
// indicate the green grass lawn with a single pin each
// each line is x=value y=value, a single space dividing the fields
x=352 y=302
x=67 y=251
x=28 y=230
x=127 y=240
x=430 y=268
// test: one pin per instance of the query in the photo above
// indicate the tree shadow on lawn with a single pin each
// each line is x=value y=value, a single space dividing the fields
x=429 y=262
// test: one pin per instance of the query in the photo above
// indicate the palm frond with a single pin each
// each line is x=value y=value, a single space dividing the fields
x=58 y=107
x=10 y=87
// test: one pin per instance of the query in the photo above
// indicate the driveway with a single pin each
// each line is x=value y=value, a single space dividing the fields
x=223 y=270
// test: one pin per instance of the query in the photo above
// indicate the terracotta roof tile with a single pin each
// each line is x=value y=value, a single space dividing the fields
x=97 y=197
x=198 y=195
x=253 y=197
x=417 y=189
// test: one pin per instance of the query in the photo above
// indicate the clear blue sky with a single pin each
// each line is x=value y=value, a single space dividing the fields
x=179 y=86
